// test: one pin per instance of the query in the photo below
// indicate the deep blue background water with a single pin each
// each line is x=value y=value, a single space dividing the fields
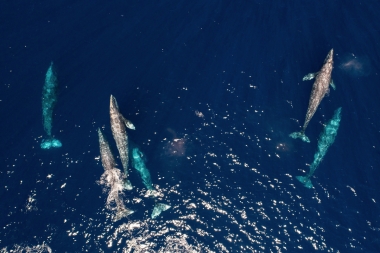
x=238 y=63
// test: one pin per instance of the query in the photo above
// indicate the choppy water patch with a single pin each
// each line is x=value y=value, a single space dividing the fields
x=43 y=248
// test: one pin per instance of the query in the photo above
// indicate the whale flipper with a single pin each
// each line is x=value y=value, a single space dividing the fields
x=128 y=123
x=50 y=143
x=158 y=208
x=332 y=84
x=305 y=181
x=127 y=185
x=309 y=76
x=300 y=135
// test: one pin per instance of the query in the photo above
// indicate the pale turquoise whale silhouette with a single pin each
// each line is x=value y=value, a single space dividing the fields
x=326 y=138
x=139 y=164
x=49 y=99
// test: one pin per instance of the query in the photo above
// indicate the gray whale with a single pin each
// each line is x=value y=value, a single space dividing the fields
x=119 y=132
x=319 y=90
x=326 y=138
x=49 y=99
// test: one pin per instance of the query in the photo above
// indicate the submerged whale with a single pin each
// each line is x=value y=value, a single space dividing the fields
x=326 y=138
x=49 y=99
x=319 y=90
x=119 y=132
x=139 y=164
x=112 y=178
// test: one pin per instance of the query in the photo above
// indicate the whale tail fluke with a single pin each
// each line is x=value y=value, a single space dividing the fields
x=305 y=181
x=127 y=185
x=122 y=213
x=300 y=135
x=158 y=208
x=50 y=143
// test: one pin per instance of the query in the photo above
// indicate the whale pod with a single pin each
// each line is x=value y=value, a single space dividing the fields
x=112 y=178
x=326 y=138
x=319 y=90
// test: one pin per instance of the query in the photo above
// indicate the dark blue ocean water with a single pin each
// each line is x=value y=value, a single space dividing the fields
x=214 y=88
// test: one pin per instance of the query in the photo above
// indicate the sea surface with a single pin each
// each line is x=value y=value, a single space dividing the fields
x=214 y=88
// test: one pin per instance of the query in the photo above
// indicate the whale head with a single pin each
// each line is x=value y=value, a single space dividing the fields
x=329 y=57
x=113 y=103
x=137 y=154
